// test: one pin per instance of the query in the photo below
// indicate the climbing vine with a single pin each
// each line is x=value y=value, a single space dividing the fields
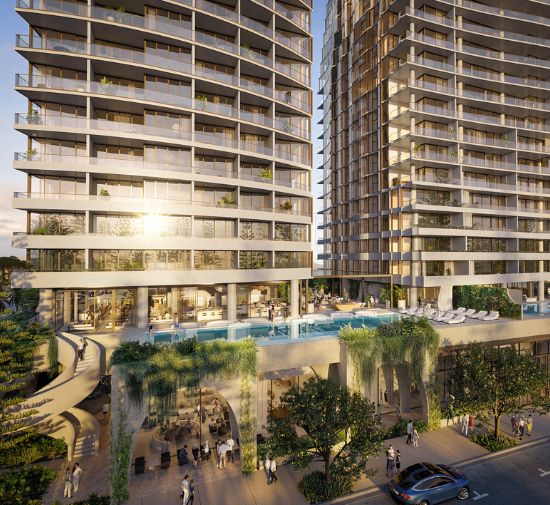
x=406 y=341
x=158 y=371
x=120 y=461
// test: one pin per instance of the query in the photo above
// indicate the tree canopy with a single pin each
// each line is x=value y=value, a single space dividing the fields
x=496 y=381
x=329 y=423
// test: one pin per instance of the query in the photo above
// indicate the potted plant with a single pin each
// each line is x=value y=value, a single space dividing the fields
x=416 y=149
x=286 y=205
x=453 y=154
x=40 y=230
x=226 y=200
x=202 y=100
x=265 y=173
x=287 y=126
x=395 y=181
x=31 y=153
x=104 y=194
x=33 y=117
x=105 y=83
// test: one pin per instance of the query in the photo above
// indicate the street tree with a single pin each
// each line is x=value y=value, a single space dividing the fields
x=496 y=381
x=325 y=422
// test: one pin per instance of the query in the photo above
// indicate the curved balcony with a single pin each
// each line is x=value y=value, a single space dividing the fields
x=163 y=28
x=153 y=96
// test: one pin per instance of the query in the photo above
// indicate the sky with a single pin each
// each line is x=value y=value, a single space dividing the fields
x=12 y=102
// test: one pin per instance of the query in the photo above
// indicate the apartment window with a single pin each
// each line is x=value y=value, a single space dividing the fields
x=291 y=232
x=57 y=260
x=56 y=224
x=58 y=185
x=477 y=244
x=287 y=259
x=119 y=153
x=528 y=225
x=213 y=228
x=254 y=259
x=489 y=267
x=435 y=244
x=126 y=189
x=528 y=245
x=487 y=201
x=434 y=220
x=488 y=222
x=434 y=268
x=168 y=190
x=528 y=266
x=254 y=230
x=168 y=155
x=214 y=260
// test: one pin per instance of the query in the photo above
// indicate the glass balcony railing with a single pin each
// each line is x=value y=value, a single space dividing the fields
x=288 y=98
x=255 y=56
x=286 y=126
x=176 y=131
x=289 y=154
x=256 y=118
x=51 y=44
x=298 y=45
x=216 y=42
x=215 y=138
x=257 y=147
x=298 y=19
x=61 y=6
x=292 y=72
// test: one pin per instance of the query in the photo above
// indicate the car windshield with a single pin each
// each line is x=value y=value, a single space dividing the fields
x=411 y=475
x=438 y=469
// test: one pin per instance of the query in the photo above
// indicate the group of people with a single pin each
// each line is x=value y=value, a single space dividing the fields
x=393 y=461
x=521 y=424
x=467 y=424
x=187 y=491
x=224 y=452
x=71 y=480
x=270 y=467
x=82 y=348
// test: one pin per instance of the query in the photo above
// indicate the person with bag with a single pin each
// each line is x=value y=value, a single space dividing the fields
x=68 y=483
x=267 y=466
x=77 y=472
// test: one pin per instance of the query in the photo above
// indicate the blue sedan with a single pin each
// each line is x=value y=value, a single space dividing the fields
x=427 y=484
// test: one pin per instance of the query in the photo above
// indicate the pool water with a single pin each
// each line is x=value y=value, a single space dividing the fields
x=272 y=333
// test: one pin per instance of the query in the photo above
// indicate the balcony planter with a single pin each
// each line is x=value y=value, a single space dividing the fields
x=33 y=117
x=40 y=230
x=224 y=200
x=105 y=83
x=286 y=206
x=201 y=101
x=104 y=195
x=265 y=173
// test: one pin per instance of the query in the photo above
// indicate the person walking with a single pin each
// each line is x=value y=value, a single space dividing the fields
x=195 y=451
x=398 y=461
x=267 y=466
x=230 y=444
x=68 y=483
x=80 y=350
x=185 y=490
x=514 y=423
x=410 y=428
x=464 y=424
x=521 y=427
x=206 y=449
x=273 y=470
x=415 y=438
x=218 y=443
x=529 y=424
x=77 y=472
x=222 y=449
x=390 y=461
x=191 y=492
x=471 y=423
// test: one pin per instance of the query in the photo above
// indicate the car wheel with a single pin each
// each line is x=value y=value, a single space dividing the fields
x=463 y=493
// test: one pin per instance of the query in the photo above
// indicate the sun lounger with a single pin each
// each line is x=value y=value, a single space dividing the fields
x=459 y=311
x=441 y=316
x=456 y=320
x=480 y=314
x=469 y=312
x=492 y=316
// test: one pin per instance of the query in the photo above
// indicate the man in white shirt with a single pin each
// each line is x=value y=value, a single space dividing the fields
x=231 y=444
x=185 y=489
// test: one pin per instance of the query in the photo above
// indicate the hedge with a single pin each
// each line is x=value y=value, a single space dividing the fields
x=486 y=298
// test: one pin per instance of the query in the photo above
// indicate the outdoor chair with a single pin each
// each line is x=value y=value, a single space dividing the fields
x=455 y=320
x=469 y=312
x=492 y=316
x=139 y=465
x=480 y=314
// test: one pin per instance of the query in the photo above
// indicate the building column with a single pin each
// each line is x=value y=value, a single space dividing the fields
x=345 y=288
x=142 y=307
x=540 y=296
x=530 y=289
x=45 y=306
x=413 y=298
x=75 y=307
x=404 y=382
x=294 y=298
x=232 y=302
x=66 y=308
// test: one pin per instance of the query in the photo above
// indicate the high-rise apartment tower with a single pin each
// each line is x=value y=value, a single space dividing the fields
x=436 y=141
x=168 y=158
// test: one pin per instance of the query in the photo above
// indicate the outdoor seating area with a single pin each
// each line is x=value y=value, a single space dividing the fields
x=200 y=416
x=456 y=316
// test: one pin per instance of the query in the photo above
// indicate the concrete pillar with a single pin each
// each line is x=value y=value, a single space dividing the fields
x=45 y=306
x=142 y=307
x=540 y=291
x=404 y=381
x=294 y=298
x=413 y=298
x=345 y=288
x=66 y=308
x=75 y=306
x=530 y=289
x=232 y=302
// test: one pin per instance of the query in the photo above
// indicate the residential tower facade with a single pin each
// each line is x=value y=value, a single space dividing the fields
x=436 y=141
x=168 y=158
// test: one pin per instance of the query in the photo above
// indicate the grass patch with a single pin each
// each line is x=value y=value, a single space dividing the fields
x=492 y=443
x=399 y=429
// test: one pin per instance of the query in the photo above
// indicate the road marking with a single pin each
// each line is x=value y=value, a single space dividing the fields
x=480 y=496
x=543 y=473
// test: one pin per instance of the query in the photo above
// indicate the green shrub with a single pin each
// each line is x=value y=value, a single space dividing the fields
x=399 y=429
x=492 y=443
x=486 y=298
x=25 y=486
x=35 y=448
x=315 y=489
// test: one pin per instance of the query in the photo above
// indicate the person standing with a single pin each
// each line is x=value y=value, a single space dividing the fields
x=398 y=461
x=514 y=423
x=273 y=470
x=415 y=438
x=521 y=425
x=80 y=350
x=529 y=424
x=77 y=472
x=410 y=428
x=206 y=449
x=195 y=451
x=390 y=461
x=267 y=466
x=68 y=483
x=471 y=423
x=230 y=444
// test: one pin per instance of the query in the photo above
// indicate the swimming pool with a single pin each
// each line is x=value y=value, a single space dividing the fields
x=266 y=334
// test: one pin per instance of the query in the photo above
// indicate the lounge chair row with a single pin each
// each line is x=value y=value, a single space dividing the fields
x=452 y=316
